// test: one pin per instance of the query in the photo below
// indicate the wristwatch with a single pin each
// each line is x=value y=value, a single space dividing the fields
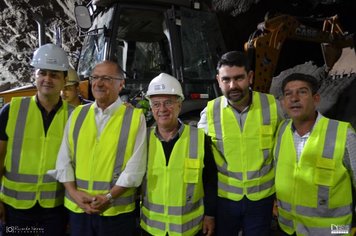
x=109 y=197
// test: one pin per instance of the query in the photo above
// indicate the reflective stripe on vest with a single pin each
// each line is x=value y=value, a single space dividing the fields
x=323 y=191
x=122 y=142
x=176 y=210
x=78 y=124
x=14 y=174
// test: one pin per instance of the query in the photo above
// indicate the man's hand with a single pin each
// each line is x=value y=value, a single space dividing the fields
x=84 y=201
x=208 y=225
x=100 y=203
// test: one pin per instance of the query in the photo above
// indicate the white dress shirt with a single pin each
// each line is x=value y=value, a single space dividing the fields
x=135 y=168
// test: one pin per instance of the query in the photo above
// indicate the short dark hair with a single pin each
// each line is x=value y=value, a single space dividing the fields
x=311 y=80
x=234 y=58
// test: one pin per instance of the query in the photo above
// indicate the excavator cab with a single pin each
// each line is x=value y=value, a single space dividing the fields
x=181 y=38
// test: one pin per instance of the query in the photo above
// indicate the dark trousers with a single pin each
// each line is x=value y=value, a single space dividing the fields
x=96 y=225
x=36 y=221
x=252 y=217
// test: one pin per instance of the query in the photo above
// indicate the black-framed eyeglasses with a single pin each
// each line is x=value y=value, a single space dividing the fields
x=104 y=78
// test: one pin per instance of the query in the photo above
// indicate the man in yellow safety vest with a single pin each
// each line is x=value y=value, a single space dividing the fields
x=315 y=164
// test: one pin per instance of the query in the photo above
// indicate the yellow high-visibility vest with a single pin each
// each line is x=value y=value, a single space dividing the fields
x=243 y=157
x=30 y=154
x=99 y=161
x=173 y=194
x=314 y=194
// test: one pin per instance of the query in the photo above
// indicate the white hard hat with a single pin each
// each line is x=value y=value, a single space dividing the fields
x=164 y=84
x=72 y=78
x=50 y=57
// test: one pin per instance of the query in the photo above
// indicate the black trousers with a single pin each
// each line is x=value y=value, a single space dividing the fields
x=36 y=221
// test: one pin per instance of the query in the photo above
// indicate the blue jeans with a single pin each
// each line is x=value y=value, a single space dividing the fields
x=97 y=225
x=252 y=217
x=36 y=221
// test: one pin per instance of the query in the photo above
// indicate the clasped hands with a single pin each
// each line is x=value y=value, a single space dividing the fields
x=91 y=204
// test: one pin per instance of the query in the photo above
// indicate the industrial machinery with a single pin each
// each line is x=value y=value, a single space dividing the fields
x=181 y=38
x=266 y=43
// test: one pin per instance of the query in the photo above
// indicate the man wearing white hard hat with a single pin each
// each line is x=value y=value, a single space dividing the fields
x=180 y=186
x=71 y=91
x=31 y=130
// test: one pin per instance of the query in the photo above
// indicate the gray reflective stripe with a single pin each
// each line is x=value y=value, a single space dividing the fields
x=173 y=210
x=266 y=113
x=78 y=124
x=124 y=200
x=322 y=209
x=82 y=183
x=217 y=124
x=186 y=226
x=70 y=108
x=330 y=138
x=48 y=179
x=19 y=195
x=101 y=185
x=122 y=142
x=284 y=205
x=193 y=154
x=193 y=147
x=19 y=133
x=189 y=207
x=52 y=194
x=223 y=170
x=97 y=185
x=153 y=223
x=279 y=140
x=265 y=154
x=259 y=173
x=153 y=207
x=285 y=221
x=259 y=188
x=24 y=178
x=173 y=227
x=313 y=231
x=229 y=188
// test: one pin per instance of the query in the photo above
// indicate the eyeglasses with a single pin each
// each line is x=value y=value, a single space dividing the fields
x=167 y=104
x=104 y=78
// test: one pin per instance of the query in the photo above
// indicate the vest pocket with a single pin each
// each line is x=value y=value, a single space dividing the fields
x=324 y=176
x=266 y=137
x=191 y=170
x=324 y=172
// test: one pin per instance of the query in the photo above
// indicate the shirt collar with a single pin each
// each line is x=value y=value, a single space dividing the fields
x=179 y=133
x=319 y=116
x=110 y=109
x=55 y=108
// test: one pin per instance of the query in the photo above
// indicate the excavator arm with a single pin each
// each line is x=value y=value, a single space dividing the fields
x=266 y=42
